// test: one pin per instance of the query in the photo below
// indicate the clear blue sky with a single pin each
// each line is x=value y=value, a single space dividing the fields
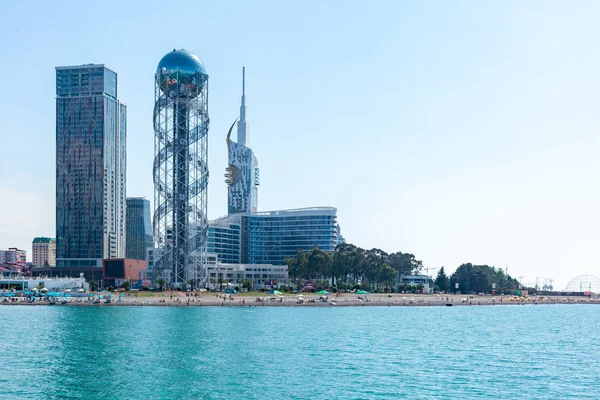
x=463 y=131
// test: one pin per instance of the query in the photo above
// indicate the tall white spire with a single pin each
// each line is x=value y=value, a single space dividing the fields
x=242 y=129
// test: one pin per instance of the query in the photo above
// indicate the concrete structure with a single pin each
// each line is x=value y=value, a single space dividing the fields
x=138 y=228
x=52 y=284
x=115 y=271
x=91 y=131
x=180 y=170
x=242 y=174
x=43 y=252
x=14 y=256
x=89 y=273
x=262 y=275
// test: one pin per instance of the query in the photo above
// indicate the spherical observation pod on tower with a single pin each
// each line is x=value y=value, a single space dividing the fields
x=181 y=73
x=180 y=169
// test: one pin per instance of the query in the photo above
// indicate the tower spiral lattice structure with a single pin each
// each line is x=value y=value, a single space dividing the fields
x=180 y=169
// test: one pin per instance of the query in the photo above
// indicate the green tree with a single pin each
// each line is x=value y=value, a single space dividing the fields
x=91 y=282
x=214 y=282
x=319 y=264
x=479 y=278
x=299 y=283
x=248 y=284
x=442 y=281
x=192 y=283
x=126 y=285
x=297 y=266
x=161 y=283
x=388 y=275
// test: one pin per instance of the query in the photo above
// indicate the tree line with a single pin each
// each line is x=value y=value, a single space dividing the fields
x=350 y=265
x=476 y=278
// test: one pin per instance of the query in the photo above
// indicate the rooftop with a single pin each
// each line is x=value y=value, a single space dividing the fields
x=43 y=240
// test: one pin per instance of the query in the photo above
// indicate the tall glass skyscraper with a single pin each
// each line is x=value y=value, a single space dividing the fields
x=91 y=131
x=242 y=175
x=139 y=228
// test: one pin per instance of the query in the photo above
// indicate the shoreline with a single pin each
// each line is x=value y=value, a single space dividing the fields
x=345 y=300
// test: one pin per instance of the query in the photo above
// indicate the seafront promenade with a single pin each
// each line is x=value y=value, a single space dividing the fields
x=181 y=299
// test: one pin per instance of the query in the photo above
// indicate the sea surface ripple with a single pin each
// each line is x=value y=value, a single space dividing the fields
x=533 y=352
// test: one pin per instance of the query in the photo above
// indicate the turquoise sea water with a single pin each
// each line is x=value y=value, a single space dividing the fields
x=528 y=352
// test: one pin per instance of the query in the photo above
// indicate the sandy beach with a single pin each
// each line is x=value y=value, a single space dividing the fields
x=179 y=299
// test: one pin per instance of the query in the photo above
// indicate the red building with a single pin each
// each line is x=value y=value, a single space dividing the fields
x=117 y=270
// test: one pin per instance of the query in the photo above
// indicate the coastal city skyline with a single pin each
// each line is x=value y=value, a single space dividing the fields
x=507 y=214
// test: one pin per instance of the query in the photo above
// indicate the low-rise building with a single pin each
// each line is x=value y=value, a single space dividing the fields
x=261 y=275
x=14 y=256
x=117 y=270
x=52 y=284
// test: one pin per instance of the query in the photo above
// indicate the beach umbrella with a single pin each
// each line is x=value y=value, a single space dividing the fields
x=111 y=295
x=67 y=290
x=275 y=292
x=44 y=290
x=300 y=295
x=91 y=295
x=81 y=290
x=100 y=296
x=363 y=292
x=122 y=295
x=323 y=292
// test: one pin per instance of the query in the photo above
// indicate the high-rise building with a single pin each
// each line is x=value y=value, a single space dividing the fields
x=14 y=256
x=43 y=252
x=91 y=130
x=180 y=169
x=139 y=228
x=242 y=173
x=224 y=239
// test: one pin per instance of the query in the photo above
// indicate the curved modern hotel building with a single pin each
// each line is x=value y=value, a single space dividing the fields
x=270 y=237
x=276 y=235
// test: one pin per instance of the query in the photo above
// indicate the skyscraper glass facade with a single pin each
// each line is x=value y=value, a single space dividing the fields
x=270 y=237
x=224 y=239
x=91 y=130
x=139 y=228
x=273 y=236
x=242 y=193
x=242 y=175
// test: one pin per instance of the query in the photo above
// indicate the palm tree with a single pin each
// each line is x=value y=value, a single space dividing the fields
x=126 y=285
x=213 y=281
x=92 y=284
x=160 y=282
x=192 y=283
